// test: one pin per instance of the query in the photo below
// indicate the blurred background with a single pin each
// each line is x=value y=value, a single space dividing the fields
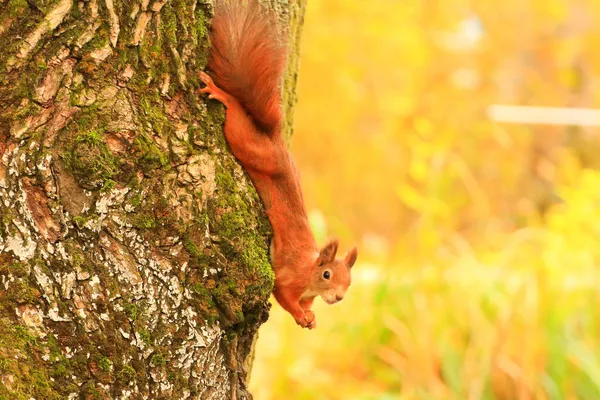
x=479 y=253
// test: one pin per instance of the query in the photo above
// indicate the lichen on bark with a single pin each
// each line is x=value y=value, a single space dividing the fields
x=133 y=248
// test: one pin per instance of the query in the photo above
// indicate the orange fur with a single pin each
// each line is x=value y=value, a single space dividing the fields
x=246 y=64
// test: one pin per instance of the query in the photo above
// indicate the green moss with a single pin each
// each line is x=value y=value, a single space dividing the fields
x=145 y=336
x=158 y=360
x=90 y=160
x=40 y=382
x=129 y=56
x=17 y=342
x=144 y=221
x=225 y=180
x=4 y=364
x=90 y=392
x=77 y=258
x=60 y=369
x=75 y=13
x=16 y=269
x=105 y=364
x=169 y=24
x=132 y=311
x=88 y=120
x=232 y=223
x=150 y=157
x=16 y=7
x=203 y=294
x=28 y=109
x=109 y=185
x=136 y=200
x=93 y=138
x=195 y=252
x=150 y=53
x=232 y=216
x=23 y=334
x=201 y=34
x=79 y=221
x=42 y=65
x=21 y=291
x=126 y=374
x=255 y=259
x=154 y=113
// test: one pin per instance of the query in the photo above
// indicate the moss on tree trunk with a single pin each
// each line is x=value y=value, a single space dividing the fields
x=133 y=248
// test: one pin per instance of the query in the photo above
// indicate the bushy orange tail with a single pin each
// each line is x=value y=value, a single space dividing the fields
x=247 y=59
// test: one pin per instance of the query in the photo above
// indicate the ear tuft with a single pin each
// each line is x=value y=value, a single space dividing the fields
x=351 y=257
x=327 y=253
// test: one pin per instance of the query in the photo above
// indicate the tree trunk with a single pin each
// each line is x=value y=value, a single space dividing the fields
x=133 y=247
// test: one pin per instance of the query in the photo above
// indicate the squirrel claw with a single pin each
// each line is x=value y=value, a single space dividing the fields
x=213 y=91
x=206 y=79
x=304 y=321
x=310 y=317
x=307 y=320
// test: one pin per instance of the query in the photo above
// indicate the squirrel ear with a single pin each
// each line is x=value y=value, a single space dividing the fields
x=327 y=253
x=351 y=257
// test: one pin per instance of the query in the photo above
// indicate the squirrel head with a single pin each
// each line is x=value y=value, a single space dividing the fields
x=331 y=276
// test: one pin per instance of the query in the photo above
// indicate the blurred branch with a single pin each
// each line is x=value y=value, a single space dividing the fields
x=544 y=115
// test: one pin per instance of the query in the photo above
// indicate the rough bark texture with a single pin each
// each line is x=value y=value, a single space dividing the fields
x=133 y=249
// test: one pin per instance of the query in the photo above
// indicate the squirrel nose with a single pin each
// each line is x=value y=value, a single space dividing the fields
x=338 y=297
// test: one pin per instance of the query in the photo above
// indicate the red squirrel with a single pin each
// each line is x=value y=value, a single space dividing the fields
x=246 y=64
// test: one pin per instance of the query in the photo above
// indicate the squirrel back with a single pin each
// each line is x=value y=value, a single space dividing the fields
x=245 y=60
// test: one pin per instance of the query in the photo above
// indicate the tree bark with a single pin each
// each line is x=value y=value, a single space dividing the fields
x=133 y=247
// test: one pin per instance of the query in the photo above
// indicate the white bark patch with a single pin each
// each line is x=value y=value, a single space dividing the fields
x=44 y=282
x=108 y=95
x=96 y=287
x=67 y=284
x=200 y=171
x=23 y=249
x=48 y=24
x=60 y=118
x=181 y=75
x=54 y=315
x=88 y=34
x=140 y=28
x=113 y=21
x=101 y=54
x=123 y=262
x=165 y=84
x=32 y=318
x=92 y=27
x=2 y=177
x=126 y=73
x=51 y=83
x=8 y=380
x=157 y=5
x=82 y=275
x=19 y=127
x=85 y=98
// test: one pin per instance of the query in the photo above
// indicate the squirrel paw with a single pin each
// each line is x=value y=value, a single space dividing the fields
x=304 y=320
x=213 y=90
x=312 y=322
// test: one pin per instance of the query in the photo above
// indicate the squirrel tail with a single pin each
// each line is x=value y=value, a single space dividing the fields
x=247 y=59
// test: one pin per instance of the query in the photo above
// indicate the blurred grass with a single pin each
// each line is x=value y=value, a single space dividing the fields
x=478 y=273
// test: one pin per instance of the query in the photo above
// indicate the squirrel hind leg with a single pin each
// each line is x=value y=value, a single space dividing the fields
x=214 y=92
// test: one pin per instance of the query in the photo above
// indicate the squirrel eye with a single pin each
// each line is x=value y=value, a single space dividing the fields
x=326 y=275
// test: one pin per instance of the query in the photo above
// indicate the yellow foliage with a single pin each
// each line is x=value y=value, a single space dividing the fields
x=479 y=253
